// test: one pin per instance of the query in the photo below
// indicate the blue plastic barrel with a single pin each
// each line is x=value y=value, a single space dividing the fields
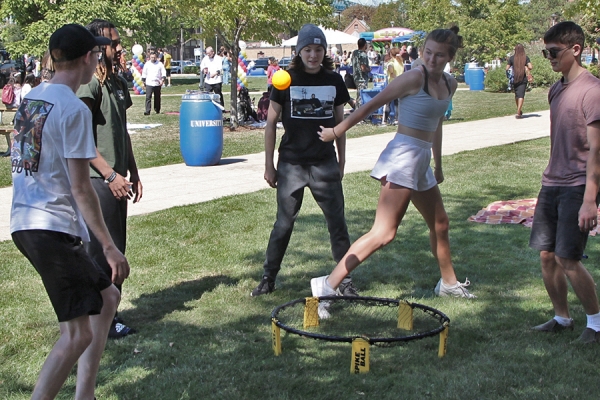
x=467 y=73
x=477 y=78
x=201 y=129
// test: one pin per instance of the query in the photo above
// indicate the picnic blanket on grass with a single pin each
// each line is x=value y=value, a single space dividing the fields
x=512 y=212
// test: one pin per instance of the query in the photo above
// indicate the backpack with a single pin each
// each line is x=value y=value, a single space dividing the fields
x=8 y=94
x=511 y=78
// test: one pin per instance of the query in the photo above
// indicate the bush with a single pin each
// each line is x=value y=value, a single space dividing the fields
x=543 y=76
x=593 y=68
x=191 y=69
x=496 y=80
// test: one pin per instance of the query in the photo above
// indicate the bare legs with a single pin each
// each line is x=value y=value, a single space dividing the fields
x=431 y=207
x=392 y=205
x=89 y=362
x=82 y=339
x=519 y=102
x=556 y=271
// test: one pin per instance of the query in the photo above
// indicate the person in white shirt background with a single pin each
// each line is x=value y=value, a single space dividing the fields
x=153 y=75
x=28 y=85
x=212 y=68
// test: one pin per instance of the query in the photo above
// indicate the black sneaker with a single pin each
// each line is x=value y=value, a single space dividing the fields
x=265 y=286
x=119 y=330
x=347 y=288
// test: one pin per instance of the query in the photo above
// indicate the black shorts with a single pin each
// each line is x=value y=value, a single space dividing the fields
x=556 y=222
x=72 y=280
x=520 y=90
x=168 y=70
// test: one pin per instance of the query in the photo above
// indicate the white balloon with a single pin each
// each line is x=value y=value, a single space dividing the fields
x=243 y=45
x=137 y=49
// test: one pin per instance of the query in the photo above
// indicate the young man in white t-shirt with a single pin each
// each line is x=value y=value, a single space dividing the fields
x=53 y=200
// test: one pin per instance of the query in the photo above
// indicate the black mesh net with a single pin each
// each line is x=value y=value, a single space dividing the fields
x=374 y=319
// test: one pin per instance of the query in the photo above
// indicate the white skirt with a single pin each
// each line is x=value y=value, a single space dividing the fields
x=405 y=162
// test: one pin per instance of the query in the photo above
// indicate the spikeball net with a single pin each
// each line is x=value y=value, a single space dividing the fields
x=362 y=321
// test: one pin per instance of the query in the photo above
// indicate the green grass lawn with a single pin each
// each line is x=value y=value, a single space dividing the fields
x=160 y=146
x=202 y=336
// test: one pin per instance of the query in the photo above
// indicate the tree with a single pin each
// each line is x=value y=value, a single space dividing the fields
x=427 y=15
x=363 y=13
x=388 y=14
x=492 y=28
x=540 y=15
x=149 y=21
x=253 y=20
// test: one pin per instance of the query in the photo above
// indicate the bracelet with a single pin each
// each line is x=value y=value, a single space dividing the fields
x=333 y=129
x=111 y=177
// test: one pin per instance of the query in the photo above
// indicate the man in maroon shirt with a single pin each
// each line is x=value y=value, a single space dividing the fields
x=567 y=207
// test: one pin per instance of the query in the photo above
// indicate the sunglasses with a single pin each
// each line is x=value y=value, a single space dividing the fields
x=99 y=54
x=554 y=52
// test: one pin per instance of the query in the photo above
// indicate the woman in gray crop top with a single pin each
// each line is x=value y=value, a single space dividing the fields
x=403 y=167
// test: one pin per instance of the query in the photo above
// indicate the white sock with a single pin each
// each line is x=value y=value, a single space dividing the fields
x=563 y=321
x=593 y=322
x=327 y=283
x=449 y=286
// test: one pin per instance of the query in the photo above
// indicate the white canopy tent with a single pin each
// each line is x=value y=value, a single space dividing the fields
x=332 y=36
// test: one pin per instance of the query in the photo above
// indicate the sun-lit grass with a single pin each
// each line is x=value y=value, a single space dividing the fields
x=202 y=336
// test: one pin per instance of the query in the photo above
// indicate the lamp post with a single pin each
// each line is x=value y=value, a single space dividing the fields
x=338 y=7
x=181 y=44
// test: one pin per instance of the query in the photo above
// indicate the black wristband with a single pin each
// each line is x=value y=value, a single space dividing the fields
x=111 y=177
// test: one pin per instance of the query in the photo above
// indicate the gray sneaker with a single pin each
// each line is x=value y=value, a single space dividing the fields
x=320 y=288
x=589 y=336
x=347 y=288
x=458 y=290
x=553 y=326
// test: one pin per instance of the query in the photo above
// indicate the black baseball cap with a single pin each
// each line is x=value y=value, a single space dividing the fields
x=74 y=41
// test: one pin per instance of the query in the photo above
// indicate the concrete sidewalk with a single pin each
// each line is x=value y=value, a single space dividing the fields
x=175 y=185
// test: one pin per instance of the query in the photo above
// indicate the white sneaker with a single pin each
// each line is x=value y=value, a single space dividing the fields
x=458 y=290
x=320 y=287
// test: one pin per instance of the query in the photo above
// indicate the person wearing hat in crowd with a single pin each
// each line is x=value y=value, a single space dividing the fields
x=315 y=98
x=53 y=200
x=271 y=69
x=108 y=98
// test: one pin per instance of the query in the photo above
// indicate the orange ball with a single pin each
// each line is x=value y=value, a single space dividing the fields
x=281 y=79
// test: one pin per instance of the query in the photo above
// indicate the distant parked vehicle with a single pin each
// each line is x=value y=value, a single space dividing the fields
x=6 y=70
x=261 y=63
x=285 y=62
x=175 y=67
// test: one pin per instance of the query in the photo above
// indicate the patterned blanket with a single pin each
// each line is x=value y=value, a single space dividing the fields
x=512 y=212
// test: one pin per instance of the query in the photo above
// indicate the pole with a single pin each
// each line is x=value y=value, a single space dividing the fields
x=181 y=47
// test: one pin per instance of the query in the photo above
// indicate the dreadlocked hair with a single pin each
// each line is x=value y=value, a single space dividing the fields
x=97 y=28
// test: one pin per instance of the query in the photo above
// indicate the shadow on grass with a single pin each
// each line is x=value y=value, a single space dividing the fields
x=152 y=307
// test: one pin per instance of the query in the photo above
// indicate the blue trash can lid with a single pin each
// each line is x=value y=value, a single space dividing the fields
x=199 y=95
